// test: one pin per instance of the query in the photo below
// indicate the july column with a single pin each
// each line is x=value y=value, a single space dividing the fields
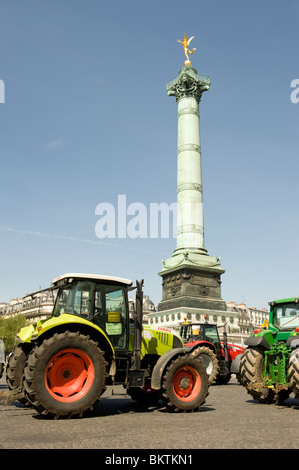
x=187 y=89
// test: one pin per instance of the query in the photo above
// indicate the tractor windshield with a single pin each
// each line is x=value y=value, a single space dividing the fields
x=286 y=316
x=211 y=334
x=102 y=304
x=200 y=331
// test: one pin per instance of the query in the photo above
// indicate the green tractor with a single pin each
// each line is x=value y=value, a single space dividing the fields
x=64 y=364
x=270 y=364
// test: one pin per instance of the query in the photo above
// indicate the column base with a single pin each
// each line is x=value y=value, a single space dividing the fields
x=191 y=279
x=195 y=258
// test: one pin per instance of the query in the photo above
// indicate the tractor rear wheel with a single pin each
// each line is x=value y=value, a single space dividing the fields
x=293 y=372
x=251 y=372
x=209 y=360
x=65 y=375
x=185 y=384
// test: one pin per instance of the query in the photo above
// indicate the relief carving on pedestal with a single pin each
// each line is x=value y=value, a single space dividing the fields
x=190 y=283
x=172 y=285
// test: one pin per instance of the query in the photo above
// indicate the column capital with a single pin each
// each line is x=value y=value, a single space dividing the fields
x=188 y=84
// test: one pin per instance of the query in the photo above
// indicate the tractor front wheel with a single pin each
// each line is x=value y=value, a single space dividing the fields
x=185 y=384
x=65 y=376
x=209 y=360
x=251 y=375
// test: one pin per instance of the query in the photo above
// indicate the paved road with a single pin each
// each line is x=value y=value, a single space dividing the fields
x=230 y=419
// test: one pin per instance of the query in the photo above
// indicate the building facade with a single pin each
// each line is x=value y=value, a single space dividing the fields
x=240 y=320
x=34 y=308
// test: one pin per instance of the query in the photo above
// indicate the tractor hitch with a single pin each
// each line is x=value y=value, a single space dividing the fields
x=9 y=396
x=276 y=388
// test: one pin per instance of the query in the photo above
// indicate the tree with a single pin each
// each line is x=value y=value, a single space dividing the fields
x=9 y=327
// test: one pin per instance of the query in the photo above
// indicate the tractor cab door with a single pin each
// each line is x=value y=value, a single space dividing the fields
x=211 y=335
x=110 y=313
x=185 y=332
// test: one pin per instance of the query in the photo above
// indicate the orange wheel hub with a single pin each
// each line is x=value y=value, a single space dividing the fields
x=186 y=383
x=69 y=375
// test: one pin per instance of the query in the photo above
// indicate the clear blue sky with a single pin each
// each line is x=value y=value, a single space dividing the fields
x=87 y=117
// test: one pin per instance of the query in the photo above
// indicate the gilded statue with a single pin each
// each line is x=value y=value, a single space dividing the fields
x=185 y=45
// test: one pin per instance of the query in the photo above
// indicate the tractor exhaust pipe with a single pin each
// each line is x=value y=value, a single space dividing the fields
x=137 y=375
x=138 y=324
x=225 y=343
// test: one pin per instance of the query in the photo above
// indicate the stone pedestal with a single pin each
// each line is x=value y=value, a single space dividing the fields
x=190 y=284
x=191 y=277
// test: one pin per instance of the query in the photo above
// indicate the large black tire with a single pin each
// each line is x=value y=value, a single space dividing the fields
x=185 y=384
x=209 y=360
x=293 y=372
x=15 y=369
x=223 y=379
x=65 y=376
x=144 y=395
x=251 y=372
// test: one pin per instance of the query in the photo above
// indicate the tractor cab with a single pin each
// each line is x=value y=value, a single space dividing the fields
x=100 y=299
x=285 y=314
x=200 y=332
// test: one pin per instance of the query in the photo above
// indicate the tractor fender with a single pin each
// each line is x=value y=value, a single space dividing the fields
x=190 y=347
x=257 y=341
x=161 y=364
x=235 y=365
x=63 y=321
x=293 y=342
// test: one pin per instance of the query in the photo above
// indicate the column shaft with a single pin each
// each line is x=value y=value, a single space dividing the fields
x=190 y=224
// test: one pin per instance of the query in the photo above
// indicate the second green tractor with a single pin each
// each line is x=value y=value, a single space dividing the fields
x=270 y=365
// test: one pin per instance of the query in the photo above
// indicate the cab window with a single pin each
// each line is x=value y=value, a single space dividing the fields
x=286 y=316
x=110 y=313
x=75 y=299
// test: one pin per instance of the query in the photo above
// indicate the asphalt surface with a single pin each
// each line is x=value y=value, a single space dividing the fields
x=229 y=419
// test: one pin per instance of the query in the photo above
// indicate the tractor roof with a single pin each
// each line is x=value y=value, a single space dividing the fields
x=98 y=277
x=284 y=301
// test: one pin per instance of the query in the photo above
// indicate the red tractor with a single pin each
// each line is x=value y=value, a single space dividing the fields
x=220 y=358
